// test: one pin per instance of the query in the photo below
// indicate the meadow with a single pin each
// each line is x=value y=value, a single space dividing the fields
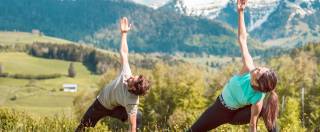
x=44 y=97
x=9 y=38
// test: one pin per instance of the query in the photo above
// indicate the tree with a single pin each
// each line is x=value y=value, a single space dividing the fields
x=1 y=68
x=289 y=118
x=71 y=70
x=176 y=98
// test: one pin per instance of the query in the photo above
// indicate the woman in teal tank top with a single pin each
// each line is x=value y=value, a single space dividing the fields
x=242 y=98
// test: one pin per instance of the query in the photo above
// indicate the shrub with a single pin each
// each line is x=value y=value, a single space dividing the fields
x=12 y=120
x=1 y=68
x=71 y=71
x=4 y=75
x=13 y=98
x=36 y=77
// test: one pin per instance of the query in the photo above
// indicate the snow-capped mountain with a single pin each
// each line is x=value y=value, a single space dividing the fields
x=212 y=8
x=292 y=22
x=151 y=3
x=207 y=8
x=266 y=19
x=259 y=10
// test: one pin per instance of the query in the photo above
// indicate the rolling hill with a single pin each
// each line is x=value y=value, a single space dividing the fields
x=42 y=97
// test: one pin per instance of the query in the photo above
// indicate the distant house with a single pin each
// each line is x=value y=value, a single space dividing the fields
x=70 y=87
x=36 y=32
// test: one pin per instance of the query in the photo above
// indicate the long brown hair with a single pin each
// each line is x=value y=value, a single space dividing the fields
x=267 y=83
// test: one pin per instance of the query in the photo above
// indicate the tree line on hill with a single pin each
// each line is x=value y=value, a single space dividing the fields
x=94 y=60
x=97 y=61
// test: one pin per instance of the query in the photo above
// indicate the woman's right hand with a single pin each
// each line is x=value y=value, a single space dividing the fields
x=241 y=4
x=124 y=25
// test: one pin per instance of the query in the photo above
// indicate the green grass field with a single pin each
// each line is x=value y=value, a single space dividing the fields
x=9 y=38
x=41 y=97
x=44 y=97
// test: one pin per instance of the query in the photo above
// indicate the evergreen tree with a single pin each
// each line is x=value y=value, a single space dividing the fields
x=71 y=70
x=1 y=68
x=289 y=119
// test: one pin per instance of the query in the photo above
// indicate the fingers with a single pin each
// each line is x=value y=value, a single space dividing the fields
x=121 y=22
x=130 y=26
x=125 y=21
x=244 y=2
x=238 y=1
x=241 y=4
x=124 y=24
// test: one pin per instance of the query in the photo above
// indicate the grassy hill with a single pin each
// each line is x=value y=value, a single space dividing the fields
x=42 y=97
x=9 y=38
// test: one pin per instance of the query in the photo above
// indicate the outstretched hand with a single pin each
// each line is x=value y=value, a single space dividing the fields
x=124 y=25
x=241 y=4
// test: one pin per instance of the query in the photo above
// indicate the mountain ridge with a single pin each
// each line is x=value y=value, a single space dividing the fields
x=96 y=22
x=299 y=19
x=265 y=15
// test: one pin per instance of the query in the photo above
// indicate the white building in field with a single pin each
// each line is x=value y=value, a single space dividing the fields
x=70 y=87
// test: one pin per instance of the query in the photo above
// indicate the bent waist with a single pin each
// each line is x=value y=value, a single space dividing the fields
x=223 y=102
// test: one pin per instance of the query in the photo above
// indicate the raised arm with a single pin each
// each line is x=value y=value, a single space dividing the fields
x=124 y=28
x=242 y=38
x=133 y=122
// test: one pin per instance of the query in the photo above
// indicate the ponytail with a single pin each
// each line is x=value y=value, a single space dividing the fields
x=271 y=110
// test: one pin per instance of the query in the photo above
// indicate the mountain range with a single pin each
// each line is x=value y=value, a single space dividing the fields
x=96 y=22
x=166 y=26
x=273 y=22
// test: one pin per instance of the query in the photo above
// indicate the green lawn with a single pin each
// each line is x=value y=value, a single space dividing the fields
x=24 y=64
x=9 y=38
x=41 y=97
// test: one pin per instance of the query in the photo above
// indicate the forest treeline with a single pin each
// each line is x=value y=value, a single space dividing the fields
x=96 y=60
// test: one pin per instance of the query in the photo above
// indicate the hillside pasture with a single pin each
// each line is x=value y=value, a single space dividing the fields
x=44 y=97
x=10 y=38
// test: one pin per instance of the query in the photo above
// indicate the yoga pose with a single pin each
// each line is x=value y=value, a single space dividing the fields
x=120 y=98
x=242 y=99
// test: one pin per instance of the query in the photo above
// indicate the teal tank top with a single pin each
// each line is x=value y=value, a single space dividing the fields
x=238 y=92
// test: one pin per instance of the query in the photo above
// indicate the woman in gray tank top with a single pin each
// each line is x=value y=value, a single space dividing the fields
x=120 y=98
